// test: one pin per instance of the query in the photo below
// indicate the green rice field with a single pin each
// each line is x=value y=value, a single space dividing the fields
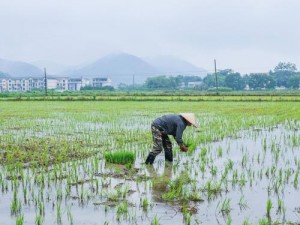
x=82 y=163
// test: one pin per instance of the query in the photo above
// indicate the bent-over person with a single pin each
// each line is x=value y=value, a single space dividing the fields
x=171 y=124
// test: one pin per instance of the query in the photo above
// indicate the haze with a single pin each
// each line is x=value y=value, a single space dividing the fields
x=246 y=36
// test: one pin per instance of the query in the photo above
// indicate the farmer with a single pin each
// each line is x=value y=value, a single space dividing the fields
x=171 y=124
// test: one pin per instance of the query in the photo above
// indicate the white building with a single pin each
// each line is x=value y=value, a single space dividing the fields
x=13 y=84
x=56 y=83
x=75 y=84
x=101 y=82
x=193 y=84
x=53 y=83
x=3 y=85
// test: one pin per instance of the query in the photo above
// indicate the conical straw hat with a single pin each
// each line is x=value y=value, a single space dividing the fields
x=190 y=117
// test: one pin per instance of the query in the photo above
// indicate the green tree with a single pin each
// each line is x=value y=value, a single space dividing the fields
x=225 y=78
x=234 y=81
x=294 y=81
x=130 y=87
x=282 y=72
x=258 y=81
x=291 y=67
x=210 y=80
x=225 y=72
x=162 y=82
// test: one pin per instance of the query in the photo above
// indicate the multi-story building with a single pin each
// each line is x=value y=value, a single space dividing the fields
x=57 y=83
x=53 y=83
x=13 y=84
x=3 y=85
x=75 y=84
x=21 y=84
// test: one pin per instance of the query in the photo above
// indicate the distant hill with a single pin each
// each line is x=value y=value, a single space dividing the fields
x=119 y=67
x=19 y=69
x=172 y=66
x=51 y=67
x=4 y=75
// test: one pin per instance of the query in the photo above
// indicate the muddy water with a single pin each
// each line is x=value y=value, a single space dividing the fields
x=253 y=155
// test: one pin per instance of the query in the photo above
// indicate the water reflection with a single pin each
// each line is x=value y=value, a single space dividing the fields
x=160 y=180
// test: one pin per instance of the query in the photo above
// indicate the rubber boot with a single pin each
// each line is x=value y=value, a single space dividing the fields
x=169 y=155
x=150 y=158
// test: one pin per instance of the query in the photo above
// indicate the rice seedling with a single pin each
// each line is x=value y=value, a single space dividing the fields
x=246 y=222
x=229 y=220
x=39 y=219
x=41 y=208
x=191 y=144
x=243 y=203
x=269 y=207
x=295 y=182
x=213 y=170
x=195 y=196
x=242 y=181
x=244 y=160
x=70 y=216
x=203 y=153
x=264 y=221
x=229 y=164
x=155 y=221
x=58 y=213
x=122 y=210
x=265 y=144
x=144 y=203
x=20 y=220
x=186 y=216
x=120 y=157
x=220 y=152
x=212 y=188
x=176 y=188
x=225 y=207
x=280 y=205
x=16 y=205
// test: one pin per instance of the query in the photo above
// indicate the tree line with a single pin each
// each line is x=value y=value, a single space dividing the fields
x=284 y=75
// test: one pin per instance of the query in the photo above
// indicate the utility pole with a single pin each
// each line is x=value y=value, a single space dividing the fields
x=45 y=81
x=133 y=81
x=216 y=75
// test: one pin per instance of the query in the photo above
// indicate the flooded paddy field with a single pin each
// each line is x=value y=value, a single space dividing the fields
x=242 y=166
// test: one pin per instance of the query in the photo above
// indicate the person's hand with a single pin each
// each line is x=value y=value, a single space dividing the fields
x=183 y=148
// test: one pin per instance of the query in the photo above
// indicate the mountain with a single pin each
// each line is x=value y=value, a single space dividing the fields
x=121 y=68
x=4 y=75
x=172 y=66
x=19 y=69
x=51 y=67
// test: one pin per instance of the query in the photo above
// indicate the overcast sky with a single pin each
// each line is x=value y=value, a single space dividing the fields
x=244 y=35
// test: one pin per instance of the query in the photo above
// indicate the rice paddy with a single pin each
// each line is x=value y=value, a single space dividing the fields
x=83 y=163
